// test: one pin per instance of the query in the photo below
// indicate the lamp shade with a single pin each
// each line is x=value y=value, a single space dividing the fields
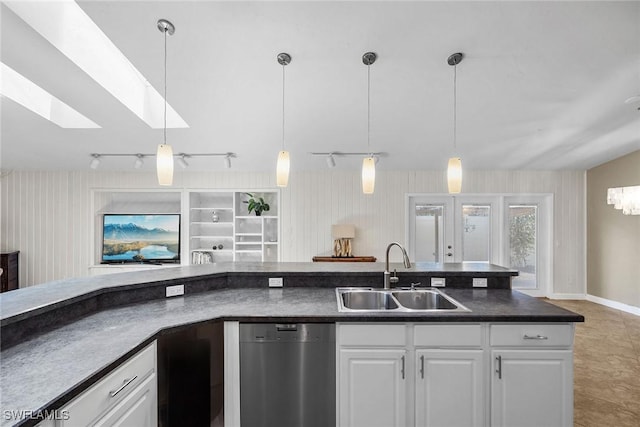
x=454 y=175
x=343 y=231
x=164 y=164
x=368 y=175
x=282 y=169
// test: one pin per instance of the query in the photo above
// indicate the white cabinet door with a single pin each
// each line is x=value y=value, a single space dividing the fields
x=138 y=409
x=449 y=388
x=532 y=388
x=372 y=388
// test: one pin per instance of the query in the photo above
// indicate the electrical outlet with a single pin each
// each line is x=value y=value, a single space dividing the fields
x=479 y=282
x=275 y=282
x=438 y=282
x=174 y=291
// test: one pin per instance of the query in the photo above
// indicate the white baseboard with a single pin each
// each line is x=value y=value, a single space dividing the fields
x=614 y=304
x=568 y=296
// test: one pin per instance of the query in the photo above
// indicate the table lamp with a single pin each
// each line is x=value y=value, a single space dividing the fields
x=342 y=235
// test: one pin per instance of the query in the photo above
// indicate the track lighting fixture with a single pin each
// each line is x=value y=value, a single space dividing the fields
x=331 y=156
x=180 y=158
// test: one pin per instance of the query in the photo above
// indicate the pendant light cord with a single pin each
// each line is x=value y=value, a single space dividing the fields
x=455 y=109
x=165 y=86
x=283 y=107
x=369 y=107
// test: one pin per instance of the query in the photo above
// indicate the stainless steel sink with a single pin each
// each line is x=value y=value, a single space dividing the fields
x=424 y=300
x=383 y=300
x=369 y=300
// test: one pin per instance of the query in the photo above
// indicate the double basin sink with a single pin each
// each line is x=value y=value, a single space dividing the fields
x=396 y=300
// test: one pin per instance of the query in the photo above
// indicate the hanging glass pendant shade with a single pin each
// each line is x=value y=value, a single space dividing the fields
x=368 y=175
x=282 y=169
x=164 y=164
x=454 y=175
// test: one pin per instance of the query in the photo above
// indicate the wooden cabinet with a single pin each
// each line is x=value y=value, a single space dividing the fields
x=449 y=388
x=532 y=378
x=10 y=272
x=127 y=396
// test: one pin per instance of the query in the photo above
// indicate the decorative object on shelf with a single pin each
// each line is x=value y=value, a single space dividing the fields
x=342 y=234
x=256 y=204
x=454 y=168
x=282 y=167
x=95 y=158
x=368 y=163
x=164 y=156
x=220 y=246
x=626 y=199
x=215 y=217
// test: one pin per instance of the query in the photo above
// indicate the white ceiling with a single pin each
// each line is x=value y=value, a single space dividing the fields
x=542 y=85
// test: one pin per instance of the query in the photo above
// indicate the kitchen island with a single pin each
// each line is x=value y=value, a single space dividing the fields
x=46 y=370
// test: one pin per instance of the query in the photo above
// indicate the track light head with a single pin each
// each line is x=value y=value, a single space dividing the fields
x=182 y=162
x=137 y=164
x=227 y=161
x=95 y=161
x=331 y=161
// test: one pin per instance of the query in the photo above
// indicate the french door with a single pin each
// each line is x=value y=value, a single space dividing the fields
x=509 y=230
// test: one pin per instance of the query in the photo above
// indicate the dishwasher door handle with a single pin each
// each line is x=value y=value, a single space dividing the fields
x=284 y=327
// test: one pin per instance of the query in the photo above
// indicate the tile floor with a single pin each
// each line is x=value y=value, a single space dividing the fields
x=606 y=366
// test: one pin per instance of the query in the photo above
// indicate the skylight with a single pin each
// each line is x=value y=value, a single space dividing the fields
x=15 y=86
x=67 y=27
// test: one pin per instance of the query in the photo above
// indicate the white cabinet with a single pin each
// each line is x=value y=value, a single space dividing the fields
x=126 y=397
x=532 y=378
x=372 y=387
x=449 y=388
x=221 y=228
x=137 y=409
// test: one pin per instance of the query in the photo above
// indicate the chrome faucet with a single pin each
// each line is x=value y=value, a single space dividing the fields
x=388 y=280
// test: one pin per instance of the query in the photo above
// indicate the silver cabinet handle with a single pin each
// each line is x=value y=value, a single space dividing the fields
x=499 y=369
x=126 y=382
x=422 y=367
x=402 y=369
x=537 y=337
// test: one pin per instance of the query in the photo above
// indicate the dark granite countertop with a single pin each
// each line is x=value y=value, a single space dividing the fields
x=32 y=300
x=46 y=371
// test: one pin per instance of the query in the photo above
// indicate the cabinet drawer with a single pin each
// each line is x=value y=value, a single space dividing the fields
x=372 y=335
x=447 y=335
x=97 y=399
x=532 y=335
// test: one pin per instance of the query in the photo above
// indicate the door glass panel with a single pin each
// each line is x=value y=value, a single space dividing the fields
x=476 y=233
x=429 y=233
x=522 y=244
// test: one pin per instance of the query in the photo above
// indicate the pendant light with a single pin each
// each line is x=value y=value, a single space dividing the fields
x=164 y=156
x=368 y=163
x=282 y=167
x=454 y=168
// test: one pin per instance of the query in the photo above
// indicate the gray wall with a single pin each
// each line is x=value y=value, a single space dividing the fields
x=613 y=239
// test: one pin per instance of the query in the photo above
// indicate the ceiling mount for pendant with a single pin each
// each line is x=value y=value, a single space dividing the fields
x=284 y=58
x=369 y=58
x=455 y=59
x=166 y=27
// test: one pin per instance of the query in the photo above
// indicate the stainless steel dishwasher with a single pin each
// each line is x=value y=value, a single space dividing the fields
x=287 y=375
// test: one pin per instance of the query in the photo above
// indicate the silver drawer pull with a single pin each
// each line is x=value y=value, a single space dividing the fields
x=537 y=337
x=126 y=382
